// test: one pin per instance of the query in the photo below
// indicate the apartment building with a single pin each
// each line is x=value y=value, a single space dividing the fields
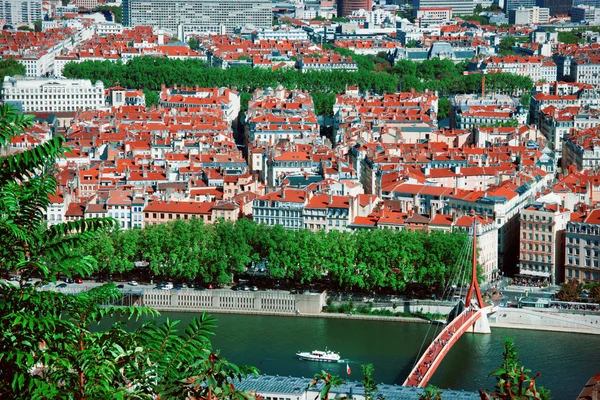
x=17 y=11
x=53 y=95
x=284 y=207
x=459 y=7
x=197 y=16
x=586 y=14
x=582 y=258
x=529 y=15
x=433 y=16
x=586 y=69
x=470 y=111
x=582 y=148
x=542 y=241
x=330 y=62
x=279 y=114
x=160 y=212
x=222 y=99
x=535 y=67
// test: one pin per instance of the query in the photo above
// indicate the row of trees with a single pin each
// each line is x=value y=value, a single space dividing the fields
x=441 y=75
x=448 y=79
x=152 y=72
x=212 y=253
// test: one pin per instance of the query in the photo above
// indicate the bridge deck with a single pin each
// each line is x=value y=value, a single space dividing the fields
x=437 y=350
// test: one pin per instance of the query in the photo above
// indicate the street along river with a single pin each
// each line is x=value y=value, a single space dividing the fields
x=566 y=360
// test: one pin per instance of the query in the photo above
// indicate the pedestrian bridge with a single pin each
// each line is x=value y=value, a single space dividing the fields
x=466 y=321
x=469 y=314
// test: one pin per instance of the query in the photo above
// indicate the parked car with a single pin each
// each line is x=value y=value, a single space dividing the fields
x=132 y=283
x=79 y=281
x=254 y=288
x=120 y=286
x=61 y=285
x=69 y=280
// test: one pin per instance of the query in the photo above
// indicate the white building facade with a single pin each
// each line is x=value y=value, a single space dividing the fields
x=53 y=95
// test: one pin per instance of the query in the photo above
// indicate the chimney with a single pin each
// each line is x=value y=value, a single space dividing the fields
x=330 y=197
x=282 y=193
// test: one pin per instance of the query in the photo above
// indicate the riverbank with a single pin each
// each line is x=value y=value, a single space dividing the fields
x=520 y=319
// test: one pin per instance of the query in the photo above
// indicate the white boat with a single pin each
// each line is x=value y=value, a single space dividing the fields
x=321 y=356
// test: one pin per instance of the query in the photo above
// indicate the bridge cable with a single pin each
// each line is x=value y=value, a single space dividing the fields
x=456 y=272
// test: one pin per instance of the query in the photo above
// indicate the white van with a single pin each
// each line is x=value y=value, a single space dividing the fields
x=167 y=286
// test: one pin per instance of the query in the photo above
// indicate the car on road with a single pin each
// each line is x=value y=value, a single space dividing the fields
x=79 y=281
x=254 y=288
x=178 y=287
x=167 y=286
x=132 y=283
x=61 y=285
x=120 y=286
x=68 y=280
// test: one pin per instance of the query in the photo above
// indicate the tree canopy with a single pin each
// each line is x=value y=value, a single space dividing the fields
x=11 y=67
x=363 y=260
x=375 y=74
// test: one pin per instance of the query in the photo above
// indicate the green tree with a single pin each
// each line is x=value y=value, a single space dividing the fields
x=506 y=46
x=151 y=97
x=116 y=11
x=48 y=347
x=38 y=25
x=443 y=108
x=11 y=67
x=512 y=381
x=569 y=38
x=525 y=100
x=193 y=43
x=25 y=28
x=411 y=43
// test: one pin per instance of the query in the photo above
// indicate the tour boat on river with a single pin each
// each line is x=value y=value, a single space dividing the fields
x=321 y=356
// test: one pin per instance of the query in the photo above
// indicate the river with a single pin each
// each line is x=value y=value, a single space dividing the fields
x=566 y=360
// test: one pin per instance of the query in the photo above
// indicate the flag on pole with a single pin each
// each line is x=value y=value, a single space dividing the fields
x=348 y=369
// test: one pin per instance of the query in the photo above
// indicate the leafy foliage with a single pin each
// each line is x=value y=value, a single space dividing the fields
x=431 y=393
x=151 y=72
x=329 y=381
x=512 y=379
x=375 y=74
x=443 y=108
x=11 y=67
x=506 y=46
x=569 y=38
x=48 y=349
x=368 y=382
x=188 y=249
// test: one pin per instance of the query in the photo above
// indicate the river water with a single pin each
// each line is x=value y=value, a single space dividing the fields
x=566 y=360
